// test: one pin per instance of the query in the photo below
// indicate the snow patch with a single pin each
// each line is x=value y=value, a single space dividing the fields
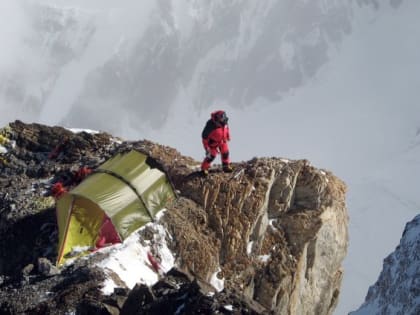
x=264 y=258
x=217 y=283
x=229 y=307
x=79 y=130
x=249 y=247
x=129 y=260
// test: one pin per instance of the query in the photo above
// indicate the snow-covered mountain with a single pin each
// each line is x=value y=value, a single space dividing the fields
x=333 y=82
x=133 y=60
x=381 y=202
x=397 y=290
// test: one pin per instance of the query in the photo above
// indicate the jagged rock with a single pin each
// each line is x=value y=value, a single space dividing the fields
x=304 y=269
x=177 y=294
x=139 y=296
x=397 y=290
x=46 y=268
x=275 y=230
x=27 y=269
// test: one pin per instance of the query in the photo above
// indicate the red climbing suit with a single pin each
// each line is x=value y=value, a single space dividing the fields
x=215 y=137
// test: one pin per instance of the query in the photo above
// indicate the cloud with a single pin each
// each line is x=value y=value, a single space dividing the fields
x=13 y=26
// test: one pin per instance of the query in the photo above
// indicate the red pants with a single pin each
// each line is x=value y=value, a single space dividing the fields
x=212 y=152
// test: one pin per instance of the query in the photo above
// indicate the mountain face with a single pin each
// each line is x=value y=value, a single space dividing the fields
x=364 y=89
x=139 y=58
x=274 y=232
x=397 y=290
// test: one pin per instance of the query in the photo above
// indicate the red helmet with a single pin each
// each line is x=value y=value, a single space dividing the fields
x=220 y=117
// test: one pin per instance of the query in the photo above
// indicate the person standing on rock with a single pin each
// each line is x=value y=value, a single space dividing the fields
x=215 y=137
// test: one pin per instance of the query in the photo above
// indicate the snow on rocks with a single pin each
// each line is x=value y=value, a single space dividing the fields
x=132 y=262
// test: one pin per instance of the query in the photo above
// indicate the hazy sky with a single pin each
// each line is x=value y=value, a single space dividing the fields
x=12 y=28
x=326 y=81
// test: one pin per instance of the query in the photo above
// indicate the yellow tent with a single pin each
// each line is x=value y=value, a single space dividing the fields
x=122 y=195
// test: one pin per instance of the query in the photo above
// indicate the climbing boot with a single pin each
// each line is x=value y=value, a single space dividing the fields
x=205 y=173
x=227 y=168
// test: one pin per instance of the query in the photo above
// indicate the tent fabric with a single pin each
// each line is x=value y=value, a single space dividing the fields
x=107 y=234
x=125 y=190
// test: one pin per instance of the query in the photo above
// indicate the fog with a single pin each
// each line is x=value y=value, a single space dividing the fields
x=337 y=85
x=12 y=29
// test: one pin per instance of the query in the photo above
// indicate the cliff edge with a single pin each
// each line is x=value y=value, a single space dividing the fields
x=275 y=232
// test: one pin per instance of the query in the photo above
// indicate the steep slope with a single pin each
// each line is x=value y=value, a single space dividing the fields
x=286 y=211
x=388 y=192
x=397 y=290
x=274 y=231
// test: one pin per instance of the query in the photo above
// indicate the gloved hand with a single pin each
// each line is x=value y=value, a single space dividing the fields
x=208 y=153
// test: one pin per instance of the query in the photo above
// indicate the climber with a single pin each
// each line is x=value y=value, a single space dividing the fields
x=215 y=137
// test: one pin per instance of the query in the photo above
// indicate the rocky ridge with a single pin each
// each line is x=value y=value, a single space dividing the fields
x=397 y=290
x=276 y=229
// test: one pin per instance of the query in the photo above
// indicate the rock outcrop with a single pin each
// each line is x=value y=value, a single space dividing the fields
x=397 y=290
x=275 y=230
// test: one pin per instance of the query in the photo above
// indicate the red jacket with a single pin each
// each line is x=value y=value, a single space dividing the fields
x=214 y=134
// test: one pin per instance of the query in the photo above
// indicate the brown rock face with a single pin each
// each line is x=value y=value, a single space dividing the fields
x=275 y=230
